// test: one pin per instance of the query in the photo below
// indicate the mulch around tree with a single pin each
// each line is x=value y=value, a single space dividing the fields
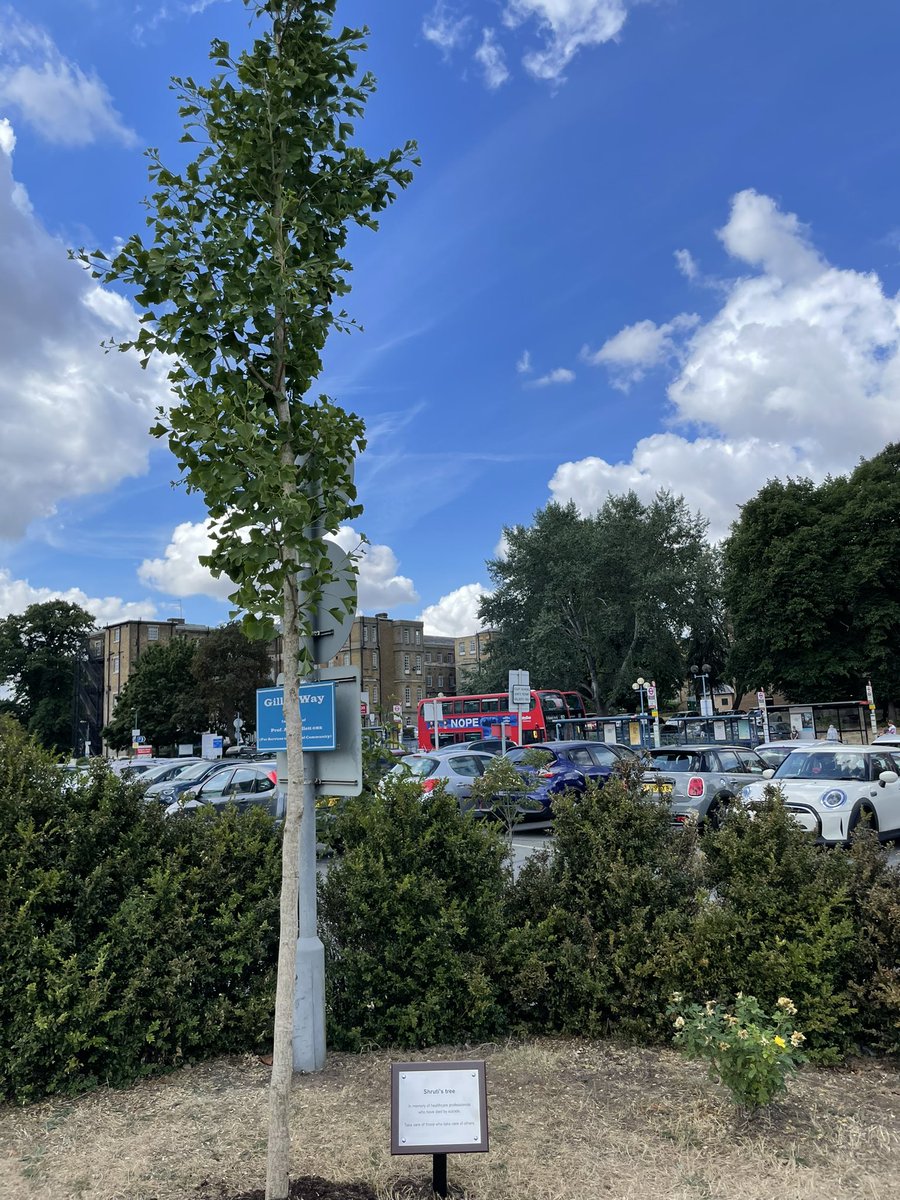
x=306 y=1187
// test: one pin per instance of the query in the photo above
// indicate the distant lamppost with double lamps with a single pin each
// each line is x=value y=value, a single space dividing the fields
x=702 y=673
x=641 y=688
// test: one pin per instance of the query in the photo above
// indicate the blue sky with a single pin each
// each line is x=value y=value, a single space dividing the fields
x=651 y=244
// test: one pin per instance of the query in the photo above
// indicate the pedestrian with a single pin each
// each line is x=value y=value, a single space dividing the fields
x=890 y=728
x=832 y=734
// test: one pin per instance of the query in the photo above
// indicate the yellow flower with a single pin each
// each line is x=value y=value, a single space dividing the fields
x=786 y=1005
x=779 y=1041
x=676 y=997
x=723 y=1045
x=710 y=1007
x=797 y=1038
x=679 y=1022
x=743 y=1034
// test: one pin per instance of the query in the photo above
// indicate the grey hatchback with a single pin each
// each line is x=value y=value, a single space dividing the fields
x=456 y=770
x=700 y=781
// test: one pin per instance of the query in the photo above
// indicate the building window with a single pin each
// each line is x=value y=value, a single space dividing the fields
x=116 y=633
x=418 y=637
x=418 y=693
x=152 y=633
x=346 y=660
x=406 y=664
x=374 y=693
x=407 y=696
x=428 y=679
x=428 y=656
x=365 y=635
x=115 y=664
x=418 y=664
x=374 y=658
x=462 y=647
x=471 y=645
x=406 y=636
x=440 y=681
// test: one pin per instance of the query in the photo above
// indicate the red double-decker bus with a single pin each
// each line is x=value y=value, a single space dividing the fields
x=469 y=718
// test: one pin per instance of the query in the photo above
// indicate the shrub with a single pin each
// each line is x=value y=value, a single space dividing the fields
x=779 y=923
x=128 y=942
x=602 y=928
x=875 y=898
x=751 y=1052
x=411 y=919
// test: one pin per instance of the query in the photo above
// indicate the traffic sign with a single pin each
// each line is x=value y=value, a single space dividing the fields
x=238 y=724
x=519 y=689
x=316 y=717
x=138 y=741
x=333 y=621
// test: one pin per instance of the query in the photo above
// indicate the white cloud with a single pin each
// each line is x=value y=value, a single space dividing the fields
x=523 y=365
x=179 y=573
x=17 y=594
x=567 y=26
x=635 y=349
x=456 y=613
x=75 y=419
x=492 y=60
x=56 y=97
x=444 y=28
x=797 y=373
x=379 y=584
x=686 y=264
x=558 y=375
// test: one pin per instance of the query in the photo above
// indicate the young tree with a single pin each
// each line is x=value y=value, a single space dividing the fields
x=38 y=650
x=240 y=285
x=227 y=669
x=160 y=698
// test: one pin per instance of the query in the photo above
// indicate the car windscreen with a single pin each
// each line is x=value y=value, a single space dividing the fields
x=530 y=756
x=415 y=764
x=673 y=760
x=195 y=771
x=823 y=764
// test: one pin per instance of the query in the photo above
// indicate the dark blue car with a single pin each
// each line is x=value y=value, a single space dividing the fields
x=567 y=768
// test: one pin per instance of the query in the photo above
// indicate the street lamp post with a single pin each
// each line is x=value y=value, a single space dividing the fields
x=641 y=688
x=702 y=673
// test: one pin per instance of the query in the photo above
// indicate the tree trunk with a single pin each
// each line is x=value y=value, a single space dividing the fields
x=282 y=1051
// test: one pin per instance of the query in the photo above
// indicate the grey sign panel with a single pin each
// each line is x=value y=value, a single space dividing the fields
x=339 y=773
x=332 y=622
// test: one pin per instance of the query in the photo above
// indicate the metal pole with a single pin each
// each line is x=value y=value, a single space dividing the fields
x=439 y=1174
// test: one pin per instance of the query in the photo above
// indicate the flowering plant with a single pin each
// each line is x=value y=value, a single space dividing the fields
x=750 y=1051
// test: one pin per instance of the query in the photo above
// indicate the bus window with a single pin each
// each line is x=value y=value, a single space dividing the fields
x=490 y=704
x=457 y=706
x=471 y=706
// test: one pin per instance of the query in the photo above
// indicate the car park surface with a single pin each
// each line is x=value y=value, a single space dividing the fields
x=700 y=781
x=829 y=788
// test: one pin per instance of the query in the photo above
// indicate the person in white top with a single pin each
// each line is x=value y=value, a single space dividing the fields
x=832 y=734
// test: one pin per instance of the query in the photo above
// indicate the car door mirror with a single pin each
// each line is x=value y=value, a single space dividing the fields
x=888 y=777
x=768 y=773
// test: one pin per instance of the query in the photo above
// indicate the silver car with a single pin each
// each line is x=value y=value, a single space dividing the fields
x=700 y=781
x=456 y=770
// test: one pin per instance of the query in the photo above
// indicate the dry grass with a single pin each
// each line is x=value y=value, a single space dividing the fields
x=568 y=1121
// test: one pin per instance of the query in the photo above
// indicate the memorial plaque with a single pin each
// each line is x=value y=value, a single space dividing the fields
x=438 y=1108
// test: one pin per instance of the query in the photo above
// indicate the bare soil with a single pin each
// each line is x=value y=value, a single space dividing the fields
x=569 y=1120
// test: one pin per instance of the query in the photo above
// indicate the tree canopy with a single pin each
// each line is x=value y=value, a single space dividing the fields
x=594 y=601
x=812 y=585
x=38 y=651
x=159 y=698
x=227 y=669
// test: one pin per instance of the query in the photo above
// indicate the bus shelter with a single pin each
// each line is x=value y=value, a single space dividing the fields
x=809 y=722
x=733 y=729
x=624 y=729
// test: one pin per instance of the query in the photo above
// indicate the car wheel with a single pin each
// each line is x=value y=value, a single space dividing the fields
x=863 y=813
x=717 y=811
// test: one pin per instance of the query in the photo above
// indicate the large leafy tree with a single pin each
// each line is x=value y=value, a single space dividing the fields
x=38 y=651
x=227 y=669
x=240 y=282
x=160 y=699
x=597 y=600
x=812 y=584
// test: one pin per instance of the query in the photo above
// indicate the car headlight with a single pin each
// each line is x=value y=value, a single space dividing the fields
x=747 y=792
x=834 y=798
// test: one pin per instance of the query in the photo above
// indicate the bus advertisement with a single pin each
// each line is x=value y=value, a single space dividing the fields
x=469 y=718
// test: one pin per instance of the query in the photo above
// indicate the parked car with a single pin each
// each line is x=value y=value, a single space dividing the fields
x=165 y=770
x=564 y=767
x=244 y=785
x=130 y=768
x=191 y=777
x=775 y=752
x=829 y=788
x=456 y=769
x=700 y=781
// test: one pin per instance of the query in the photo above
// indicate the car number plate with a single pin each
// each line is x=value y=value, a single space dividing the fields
x=663 y=788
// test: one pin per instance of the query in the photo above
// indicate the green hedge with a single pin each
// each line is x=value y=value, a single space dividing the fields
x=129 y=942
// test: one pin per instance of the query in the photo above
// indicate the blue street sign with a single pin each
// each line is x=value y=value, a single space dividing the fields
x=316 y=717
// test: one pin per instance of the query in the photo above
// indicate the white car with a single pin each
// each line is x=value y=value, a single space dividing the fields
x=829 y=788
